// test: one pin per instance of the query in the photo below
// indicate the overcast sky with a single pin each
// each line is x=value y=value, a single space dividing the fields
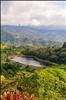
x=33 y=13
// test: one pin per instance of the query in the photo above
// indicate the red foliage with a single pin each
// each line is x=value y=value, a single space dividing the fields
x=31 y=98
x=24 y=98
x=9 y=96
x=16 y=96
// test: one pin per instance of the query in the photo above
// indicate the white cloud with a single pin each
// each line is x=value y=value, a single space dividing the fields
x=32 y=13
x=35 y=22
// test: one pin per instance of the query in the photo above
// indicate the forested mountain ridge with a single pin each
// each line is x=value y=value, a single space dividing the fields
x=32 y=36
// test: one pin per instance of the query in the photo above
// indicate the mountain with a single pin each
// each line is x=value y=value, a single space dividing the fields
x=32 y=36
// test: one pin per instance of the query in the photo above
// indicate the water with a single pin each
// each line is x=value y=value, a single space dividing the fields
x=27 y=61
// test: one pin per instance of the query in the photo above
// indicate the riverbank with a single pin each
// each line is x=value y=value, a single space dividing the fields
x=45 y=62
x=41 y=61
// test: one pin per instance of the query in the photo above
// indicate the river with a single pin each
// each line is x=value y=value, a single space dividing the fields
x=27 y=61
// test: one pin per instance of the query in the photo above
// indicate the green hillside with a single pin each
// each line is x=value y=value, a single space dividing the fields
x=32 y=36
x=45 y=83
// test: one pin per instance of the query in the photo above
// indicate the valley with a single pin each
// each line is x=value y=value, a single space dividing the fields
x=33 y=36
x=33 y=50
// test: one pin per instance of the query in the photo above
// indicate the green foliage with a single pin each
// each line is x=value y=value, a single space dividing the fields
x=48 y=83
x=50 y=54
x=53 y=55
x=64 y=45
x=9 y=68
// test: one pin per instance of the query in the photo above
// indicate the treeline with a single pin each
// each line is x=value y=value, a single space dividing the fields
x=51 y=54
x=55 y=55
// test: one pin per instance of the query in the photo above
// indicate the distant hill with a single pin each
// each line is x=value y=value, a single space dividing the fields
x=32 y=36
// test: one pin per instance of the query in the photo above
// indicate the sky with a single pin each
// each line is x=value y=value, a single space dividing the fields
x=46 y=13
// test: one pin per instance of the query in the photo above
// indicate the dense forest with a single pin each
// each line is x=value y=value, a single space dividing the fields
x=43 y=83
